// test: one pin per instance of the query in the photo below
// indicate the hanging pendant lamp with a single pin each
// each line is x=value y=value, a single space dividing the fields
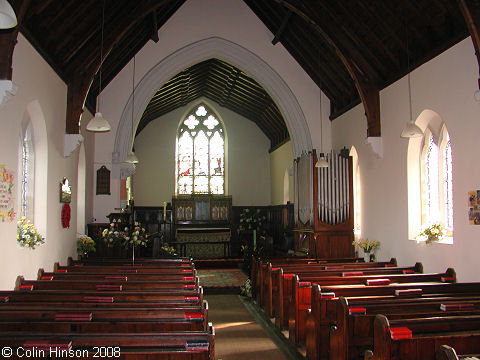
x=411 y=130
x=132 y=158
x=98 y=123
x=8 y=19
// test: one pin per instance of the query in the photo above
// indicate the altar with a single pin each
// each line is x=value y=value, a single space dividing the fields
x=203 y=243
x=202 y=225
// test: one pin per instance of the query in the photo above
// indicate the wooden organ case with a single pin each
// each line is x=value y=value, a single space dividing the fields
x=324 y=206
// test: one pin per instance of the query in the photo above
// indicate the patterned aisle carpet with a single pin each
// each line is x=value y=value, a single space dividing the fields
x=221 y=280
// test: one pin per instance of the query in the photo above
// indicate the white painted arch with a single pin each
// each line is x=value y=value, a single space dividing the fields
x=232 y=53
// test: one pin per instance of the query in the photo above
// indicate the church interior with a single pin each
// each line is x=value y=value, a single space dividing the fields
x=205 y=179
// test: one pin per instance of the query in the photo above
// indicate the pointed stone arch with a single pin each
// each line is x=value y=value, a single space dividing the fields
x=198 y=51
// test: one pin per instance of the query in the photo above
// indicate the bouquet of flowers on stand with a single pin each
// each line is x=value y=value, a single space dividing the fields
x=138 y=237
x=113 y=235
x=27 y=234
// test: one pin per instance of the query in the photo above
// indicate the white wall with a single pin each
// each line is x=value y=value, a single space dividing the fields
x=248 y=161
x=281 y=160
x=445 y=85
x=227 y=19
x=40 y=89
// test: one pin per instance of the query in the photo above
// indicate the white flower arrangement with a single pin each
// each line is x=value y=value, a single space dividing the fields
x=27 y=234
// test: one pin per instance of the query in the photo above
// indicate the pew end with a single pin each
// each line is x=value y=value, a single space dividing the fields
x=446 y=352
x=20 y=279
x=418 y=267
x=40 y=273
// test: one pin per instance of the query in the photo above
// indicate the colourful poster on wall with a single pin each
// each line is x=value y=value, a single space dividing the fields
x=474 y=207
x=7 y=207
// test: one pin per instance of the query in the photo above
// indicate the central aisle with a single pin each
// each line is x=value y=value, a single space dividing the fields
x=237 y=334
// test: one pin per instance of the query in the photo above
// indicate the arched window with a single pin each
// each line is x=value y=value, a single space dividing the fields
x=27 y=173
x=430 y=177
x=200 y=153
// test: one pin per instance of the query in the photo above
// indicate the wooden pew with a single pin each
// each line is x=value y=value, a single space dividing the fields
x=323 y=313
x=352 y=332
x=125 y=270
x=446 y=352
x=279 y=285
x=44 y=275
x=113 y=284
x=393 y=341
x=266 y=268
x=159 y=346
x=114 y=261
x=300 y=299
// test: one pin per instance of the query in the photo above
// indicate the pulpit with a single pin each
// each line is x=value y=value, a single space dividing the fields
x=202 y=225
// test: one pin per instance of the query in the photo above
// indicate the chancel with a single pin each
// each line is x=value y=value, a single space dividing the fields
x=278 y=206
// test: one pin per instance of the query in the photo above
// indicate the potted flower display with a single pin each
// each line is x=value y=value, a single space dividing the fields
x=432 y=233
x=27 y=234
x=368 y=247
x=85 y=245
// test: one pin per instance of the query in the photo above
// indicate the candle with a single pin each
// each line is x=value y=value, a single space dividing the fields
x=164 y=211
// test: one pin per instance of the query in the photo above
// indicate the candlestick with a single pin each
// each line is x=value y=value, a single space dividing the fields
x=164 y=211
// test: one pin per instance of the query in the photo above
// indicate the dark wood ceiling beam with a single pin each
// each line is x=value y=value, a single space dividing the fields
x=154 y=37
x=365 y=77
x=8 y=40
x=282 y=28
x=471 y=13
x=87 y=58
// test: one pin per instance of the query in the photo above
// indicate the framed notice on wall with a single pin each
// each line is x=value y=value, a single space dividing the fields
x=103 y=181
x=7 y=206
x=474 y=207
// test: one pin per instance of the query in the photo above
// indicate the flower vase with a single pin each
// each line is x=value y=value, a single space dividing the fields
x=366 y=256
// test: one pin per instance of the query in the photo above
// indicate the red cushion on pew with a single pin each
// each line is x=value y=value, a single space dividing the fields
x=400 y=332
x=357 y=310
x=447 y=278
x=456 y=306
x=107 y=287
x=188 y=278
x=98 y=299
x=352 y=273
x=408 y=271
x=389 y=265
x=288 y=276
x=193 y=315
x=304 y=284
x=329 y=295
x=4 y=299
x=73 y=317
x=128 y=271
x=26 y=287
x=408 y=292
x=191 y=298
x=46 y=278
x=189 y=286
x=335 y=267
x=114 y=277
x=371 y=282
x=196 y=346
x=62 y=270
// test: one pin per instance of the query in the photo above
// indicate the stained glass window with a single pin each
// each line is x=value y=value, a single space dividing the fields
x=27 y=174
x=200 y=153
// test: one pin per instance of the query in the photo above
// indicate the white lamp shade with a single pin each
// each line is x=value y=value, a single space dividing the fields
x=98 y=124
x=8 y=19
x=131 y=158
x=411 y=130
x=321 y=162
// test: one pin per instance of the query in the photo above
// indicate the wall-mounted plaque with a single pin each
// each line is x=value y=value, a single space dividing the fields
x=103 y=181
x=65 y=191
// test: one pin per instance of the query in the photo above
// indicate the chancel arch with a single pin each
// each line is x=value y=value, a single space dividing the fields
x=198 y=51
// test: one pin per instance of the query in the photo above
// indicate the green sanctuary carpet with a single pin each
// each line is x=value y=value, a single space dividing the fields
x=221 y=280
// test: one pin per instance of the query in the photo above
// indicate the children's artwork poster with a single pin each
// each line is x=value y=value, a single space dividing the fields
x=7 y=206
x=474 y=207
